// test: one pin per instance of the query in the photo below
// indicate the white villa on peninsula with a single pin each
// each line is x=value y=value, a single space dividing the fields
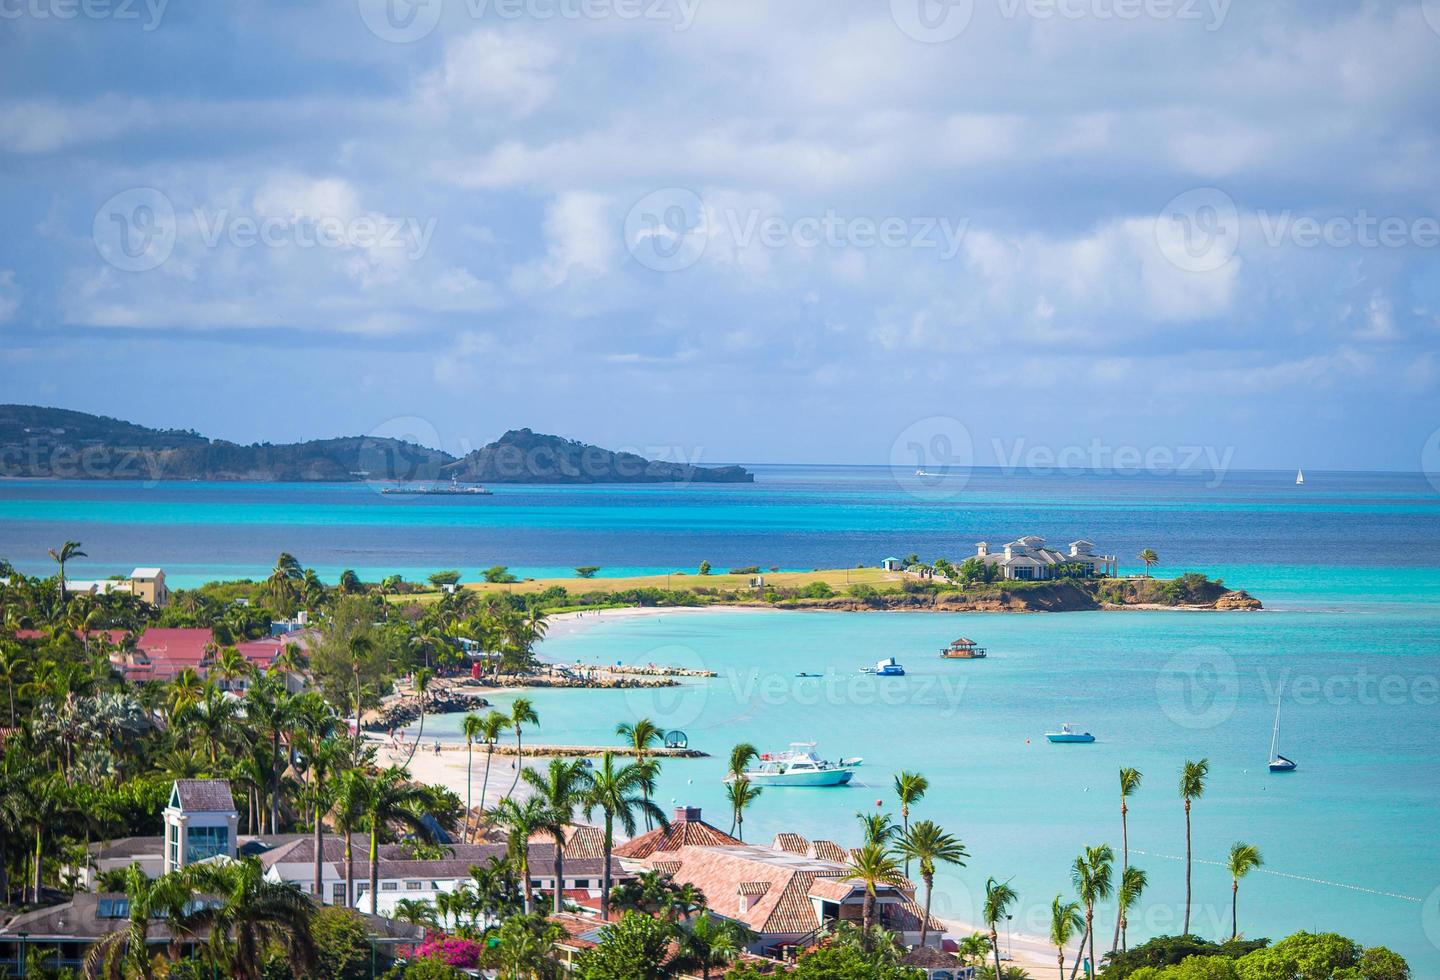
x=1028 y=559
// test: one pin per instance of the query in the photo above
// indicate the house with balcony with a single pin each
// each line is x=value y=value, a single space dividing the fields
x=1028 y=559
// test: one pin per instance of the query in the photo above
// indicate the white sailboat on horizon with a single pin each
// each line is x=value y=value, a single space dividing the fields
x=1299 y=478
x=1278 y=762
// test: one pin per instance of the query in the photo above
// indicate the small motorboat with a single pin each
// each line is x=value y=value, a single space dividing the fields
x=1068 y=734
x=799 y=766
x=889 y=667
x=803 y=674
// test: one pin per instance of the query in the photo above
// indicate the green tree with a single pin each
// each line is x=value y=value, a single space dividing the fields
x=877 y=828
x=448 y=577
x=1127 y=896
x=641 y=735
x=525 y=948
x=618 y=794
x=127 y=950
x=1244 y=858
x=874 y=868
x=389 y=798
x=498 y=575
x=711 y=942
x=928 y=845
x=420 y=681
x=1129 y=783
x=741 y=795
x=1091 y=876
x=1192 y=787
x=1149 y=557
x=520 y=820
x=563 y=789
x=522 y=713
x=1321 y=956
x=705 y=568
x=910 y=788
x=999 y=896
x=586 y=571
x=490 y=728
x=250 y=916
x=342 y=944
x=631 y=949
x=1065 y=922
x=68 y=551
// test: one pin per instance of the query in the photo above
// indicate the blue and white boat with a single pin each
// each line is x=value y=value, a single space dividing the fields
x=1068 y=734
x=1278 y=762
x=799 y=766
x=888 y=667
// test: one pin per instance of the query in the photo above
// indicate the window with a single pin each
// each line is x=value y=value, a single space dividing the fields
x=172 y=840
x=205 y=842
x=581 y=883
x=389 y=886
x=414 y=886
x=113 y=908
x=337 y=893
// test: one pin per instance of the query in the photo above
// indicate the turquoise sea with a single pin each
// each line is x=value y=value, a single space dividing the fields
x=1348 y=567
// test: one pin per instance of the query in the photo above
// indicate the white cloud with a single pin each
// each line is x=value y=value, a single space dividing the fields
x=581 y=235
x=507 y=72
x=9 y=295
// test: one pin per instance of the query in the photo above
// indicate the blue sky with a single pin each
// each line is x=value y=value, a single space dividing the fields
x=808 y=231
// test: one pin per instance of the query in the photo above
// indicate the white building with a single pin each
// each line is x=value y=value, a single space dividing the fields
x=1027 y=559
x=199 y=822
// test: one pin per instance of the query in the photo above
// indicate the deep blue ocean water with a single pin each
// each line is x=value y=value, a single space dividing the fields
x=1348 y=567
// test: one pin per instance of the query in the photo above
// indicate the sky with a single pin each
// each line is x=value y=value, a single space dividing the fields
x=798 y=231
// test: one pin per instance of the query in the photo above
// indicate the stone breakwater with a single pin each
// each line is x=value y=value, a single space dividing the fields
x=401 y=711
x=653 y=670
x=596 y=682
x=581 y=751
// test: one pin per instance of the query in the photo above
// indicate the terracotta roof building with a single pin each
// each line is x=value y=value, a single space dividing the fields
x=686 y=829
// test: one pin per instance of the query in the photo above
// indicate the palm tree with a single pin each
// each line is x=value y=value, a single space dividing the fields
x=421 y=683
x=1091 y=876
x=127 y=950
x=185 y=689
x=563 y=789
x=282 y=587
x=928 y=845
x=1129 y=783
x=1132 y=885
x=47 y=801
x=999 y=896
x=910 y=787
x=1065 y=921
x=348 y=809
x=1244 y=858
x=68 y=551
x=522 y=712
x=11 y=670
x=641 y=735
x=216 y=716
x=740 y=758
x=490 y=728
x=472 y=726
x=520 y=820
x=741 y=793
x=1149 y=557
x=270 y=708
x=415 y=911
x=390 y=797
x=360 y=648
x=1192 y=787
x=617 y=794
x=250 y=917
x=873 y=867
x=710 y=942
x=878 y=828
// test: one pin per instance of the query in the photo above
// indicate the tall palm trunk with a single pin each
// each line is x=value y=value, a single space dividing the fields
x=274 y=780
x=319 y=851
x=469 y=785
x=1075 y=967
x=374 y=870
x=1062 y=964
x=1187 y=868
x=559 y=903
x=995 y=949
x=1234 y=908
x=929 y=891
x=867 y=918
x=39 y=850
x=1090 y=931
x=349 y=873
x=484 y=785
x=419 y=734
x=519 y=762
x=1124 y=866
x=605 y=874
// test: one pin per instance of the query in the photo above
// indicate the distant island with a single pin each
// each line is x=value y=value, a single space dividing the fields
x=54 y=443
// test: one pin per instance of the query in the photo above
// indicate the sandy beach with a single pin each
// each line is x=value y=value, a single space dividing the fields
x=570 y=623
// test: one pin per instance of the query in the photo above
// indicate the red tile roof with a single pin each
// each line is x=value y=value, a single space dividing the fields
x=685 y=830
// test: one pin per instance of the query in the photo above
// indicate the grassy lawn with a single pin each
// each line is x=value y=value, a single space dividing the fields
x=837 y=578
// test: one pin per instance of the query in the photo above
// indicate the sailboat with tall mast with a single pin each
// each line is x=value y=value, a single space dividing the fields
x=1299 y=478
x=1278 y=762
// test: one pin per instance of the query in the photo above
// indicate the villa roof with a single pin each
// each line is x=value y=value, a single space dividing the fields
x=145 y=573
x=204 y=795
x=794 y=843
x=685 y=829
x=930 y=958
x=828 y=850
x=581 y=841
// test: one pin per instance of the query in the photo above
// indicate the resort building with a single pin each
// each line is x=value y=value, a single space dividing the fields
x=686 y=829
x=1027 y=559
x=144 y=583
x=785 y=893
x=200 y=822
